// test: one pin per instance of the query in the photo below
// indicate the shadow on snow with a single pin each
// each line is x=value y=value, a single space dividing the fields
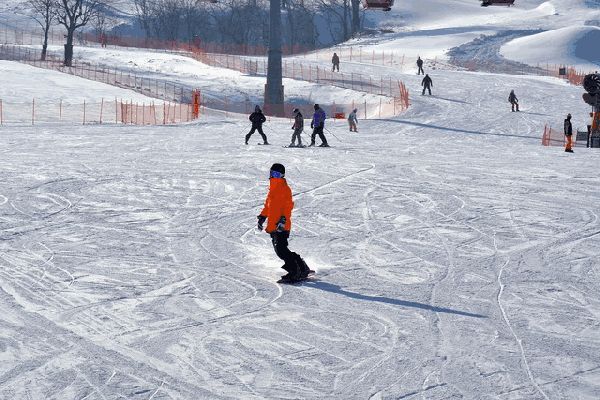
x=329 y=287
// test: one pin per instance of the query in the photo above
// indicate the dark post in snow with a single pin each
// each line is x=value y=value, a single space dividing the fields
x=274 y=86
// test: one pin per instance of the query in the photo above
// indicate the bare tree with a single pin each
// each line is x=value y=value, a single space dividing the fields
x=74 y=14
x=42 y=12
x=337 y=13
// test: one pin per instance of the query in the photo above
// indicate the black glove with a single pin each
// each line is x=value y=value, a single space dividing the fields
x=281 y=224
x=312 y=126
x=261 y=221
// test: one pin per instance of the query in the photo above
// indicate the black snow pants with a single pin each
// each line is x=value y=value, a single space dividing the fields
x=260 y=131
x=318 y=130
x=426 y=87
x=420 y=70
x=280 y=244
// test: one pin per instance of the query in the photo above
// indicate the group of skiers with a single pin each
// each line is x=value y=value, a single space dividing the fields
x=317 y=124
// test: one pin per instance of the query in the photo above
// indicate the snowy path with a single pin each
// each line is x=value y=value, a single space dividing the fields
x=453 y=261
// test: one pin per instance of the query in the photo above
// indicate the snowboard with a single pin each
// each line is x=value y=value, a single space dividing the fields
x=264 y=144
x=310 y=276
x=293 y=147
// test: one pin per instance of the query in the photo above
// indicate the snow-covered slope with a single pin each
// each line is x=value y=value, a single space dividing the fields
x=456 y=257
x=429 y=28
x=576 y=46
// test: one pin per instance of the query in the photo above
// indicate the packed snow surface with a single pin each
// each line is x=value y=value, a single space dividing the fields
x=456 y=257
x=574 y=46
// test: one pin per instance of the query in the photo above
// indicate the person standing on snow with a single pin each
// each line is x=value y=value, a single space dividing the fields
x=257 y=118
x=568 y=134
x=514 y=102
x=318 y=124
x=298 y=127
x=353 y=121
x=420 y=65
x=278 y=214
x=335 y=60
x=427 y=84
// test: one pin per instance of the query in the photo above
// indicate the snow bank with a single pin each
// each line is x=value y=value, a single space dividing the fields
x=22 y=83
x=578 y=46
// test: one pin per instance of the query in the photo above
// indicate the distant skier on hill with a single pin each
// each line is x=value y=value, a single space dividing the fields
x=318 y=124
x=568 y=134
x=427 y=84
x=420 y=65
x=277 y=212
x=258 y=119
x=335 y=60
x=298 y=127
x=514 y=102
x=353 y=120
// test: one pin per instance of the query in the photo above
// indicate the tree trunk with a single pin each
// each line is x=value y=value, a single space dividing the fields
x=355 y=16
x=69 y=48
x=45 y=45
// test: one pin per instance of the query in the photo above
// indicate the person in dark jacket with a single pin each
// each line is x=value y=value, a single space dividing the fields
x=514 y=102
x=277 y=212
x=568 y=134
x=318 y=124
x=257 y=118
x=427 y=84
x=420 y=65
x=298 y=127
x=335 y=60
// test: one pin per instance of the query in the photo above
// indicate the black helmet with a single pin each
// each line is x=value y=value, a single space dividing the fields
x=316 y=106
x=277 y=168
x=296 y=111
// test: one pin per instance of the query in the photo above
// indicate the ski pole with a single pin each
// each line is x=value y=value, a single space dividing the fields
x=332 y=134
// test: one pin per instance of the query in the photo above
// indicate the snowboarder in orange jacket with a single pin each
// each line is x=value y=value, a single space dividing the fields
x=278 y=214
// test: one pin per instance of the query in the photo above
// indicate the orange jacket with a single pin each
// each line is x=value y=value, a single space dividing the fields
x=278 y=203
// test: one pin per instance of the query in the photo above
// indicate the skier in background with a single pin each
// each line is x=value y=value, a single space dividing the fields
x=353 y=121
x=298 y=127
x=318 y=124
x=257 y=118
x=427 y=84
x=278 y=214
x=335 y=60
x=420 y=65
x=514 y=102
x=568 y=134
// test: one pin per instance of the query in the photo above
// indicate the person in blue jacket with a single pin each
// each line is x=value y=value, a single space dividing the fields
x=318 y=124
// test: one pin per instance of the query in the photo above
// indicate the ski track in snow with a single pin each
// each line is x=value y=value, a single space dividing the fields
x=456 y=257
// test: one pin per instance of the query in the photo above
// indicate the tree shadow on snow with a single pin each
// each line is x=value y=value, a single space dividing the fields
x=445 y=128
x=329 y=287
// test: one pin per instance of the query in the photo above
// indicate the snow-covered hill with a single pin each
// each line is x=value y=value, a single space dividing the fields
x=456 y=257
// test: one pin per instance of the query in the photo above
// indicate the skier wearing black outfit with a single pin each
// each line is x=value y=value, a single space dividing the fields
x=512 y=99
x=420 y=65
x=257 y=118
x=335 y=60
x=427 y=84
x=318 y=124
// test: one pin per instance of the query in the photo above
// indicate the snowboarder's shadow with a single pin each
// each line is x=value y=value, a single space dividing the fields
x=329 y=287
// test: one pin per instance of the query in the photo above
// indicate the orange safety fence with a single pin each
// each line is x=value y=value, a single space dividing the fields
x=294 y=69
x=553 y=137
x=93 y=112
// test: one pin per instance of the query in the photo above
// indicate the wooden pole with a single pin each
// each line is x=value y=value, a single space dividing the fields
x=101 y=109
